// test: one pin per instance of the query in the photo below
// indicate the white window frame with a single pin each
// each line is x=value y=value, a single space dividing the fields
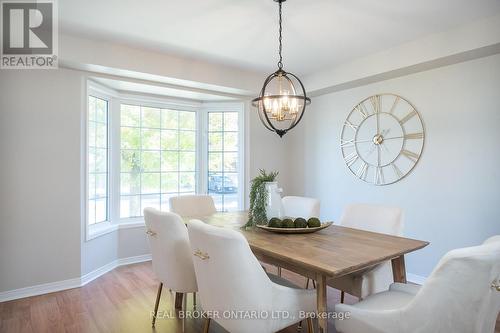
x=226 y=107
x=115 y=99
x=153 y=103
x=101 y=228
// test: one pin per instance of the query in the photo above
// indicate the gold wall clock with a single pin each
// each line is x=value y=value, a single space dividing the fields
x=382 y=139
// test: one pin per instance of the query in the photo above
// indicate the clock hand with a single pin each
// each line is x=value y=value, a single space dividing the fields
x=394 y=137
x=363 y=141
x=384 y=132
x=378 y=156
x=352 y=142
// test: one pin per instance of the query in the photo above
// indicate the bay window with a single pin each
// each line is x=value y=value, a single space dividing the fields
x=142 y=152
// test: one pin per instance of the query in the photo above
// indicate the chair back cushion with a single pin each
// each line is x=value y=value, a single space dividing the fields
x=458 y=296
x=300 y=207
x=230 y=278
x=492 y=239
x=375 y=218
x=192 y=205
x=170 y=250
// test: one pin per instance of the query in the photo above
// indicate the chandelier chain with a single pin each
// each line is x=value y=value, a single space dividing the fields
x=280 y=62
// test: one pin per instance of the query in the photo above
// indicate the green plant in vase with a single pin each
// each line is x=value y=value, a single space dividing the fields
x=258 y=198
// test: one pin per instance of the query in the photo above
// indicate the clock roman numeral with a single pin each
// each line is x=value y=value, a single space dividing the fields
x=394 y=104
x=408 y=117
x=351 y=125
x=362 y=171
x=362 y=110
x=351 y=158
x=375 y=100
x=347 y=143
x=379 y=176
x=397 y=171
x=414 y=136
x=410 y=155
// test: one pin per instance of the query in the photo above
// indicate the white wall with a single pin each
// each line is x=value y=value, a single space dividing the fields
x=266 y=150
x=118 y=59
x=41 y=133
x=39 y=177
x=462 y=43
x=99 y=251
x=132 y=242
x=452 y=196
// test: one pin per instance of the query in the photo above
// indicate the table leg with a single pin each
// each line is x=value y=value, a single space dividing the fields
x=178 y=300
x=321 y=303
x=399 y=269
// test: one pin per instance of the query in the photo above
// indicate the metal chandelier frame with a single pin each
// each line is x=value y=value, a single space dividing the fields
x=280 y=74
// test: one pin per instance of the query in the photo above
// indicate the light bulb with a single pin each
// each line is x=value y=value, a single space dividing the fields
x=285 y=97
x=284 y=102
x=267 y=103
x=293 y=106
x=276 y=108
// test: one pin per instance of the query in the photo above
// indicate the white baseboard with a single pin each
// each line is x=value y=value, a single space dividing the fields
x=84 y=279
x=414 y=278
x=71 y=283
x=39 y=289
x=112 y=265
x=133 y=260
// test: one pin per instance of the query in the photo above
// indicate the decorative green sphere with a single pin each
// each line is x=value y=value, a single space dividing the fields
x=288 y=223
x=313 y=222
x=300 y=222
x=274 y=223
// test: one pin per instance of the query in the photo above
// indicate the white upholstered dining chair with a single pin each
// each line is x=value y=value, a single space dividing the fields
x=231 y=280
x=462 y=294
x=375 y=218
x=192 y=205
x=492 y=239
x=171 y=255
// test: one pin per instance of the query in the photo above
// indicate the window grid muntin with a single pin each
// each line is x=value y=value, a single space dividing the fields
x=94 y=173
x=223 y=152
x=161 y=151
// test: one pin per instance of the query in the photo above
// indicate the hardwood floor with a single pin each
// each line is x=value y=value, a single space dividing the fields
x=119 y=301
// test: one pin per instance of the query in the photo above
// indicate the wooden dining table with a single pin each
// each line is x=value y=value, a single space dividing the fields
x=327 y=254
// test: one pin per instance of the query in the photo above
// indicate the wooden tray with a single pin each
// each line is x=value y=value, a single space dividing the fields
x=294 y=230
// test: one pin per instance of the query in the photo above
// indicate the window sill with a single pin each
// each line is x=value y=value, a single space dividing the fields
x=131 y=223
x=100 y=229
x=103 y=228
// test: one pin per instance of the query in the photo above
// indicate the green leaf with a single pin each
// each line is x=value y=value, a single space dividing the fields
x=258 y=197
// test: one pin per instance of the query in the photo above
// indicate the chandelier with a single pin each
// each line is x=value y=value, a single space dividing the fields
x=282 y=100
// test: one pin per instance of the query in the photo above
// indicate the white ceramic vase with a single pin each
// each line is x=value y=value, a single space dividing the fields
x=273 y=204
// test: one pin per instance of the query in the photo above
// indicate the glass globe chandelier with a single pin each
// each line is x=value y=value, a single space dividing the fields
x=282 y=100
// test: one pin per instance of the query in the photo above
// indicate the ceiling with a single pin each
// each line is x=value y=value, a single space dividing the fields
x=243 y=33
